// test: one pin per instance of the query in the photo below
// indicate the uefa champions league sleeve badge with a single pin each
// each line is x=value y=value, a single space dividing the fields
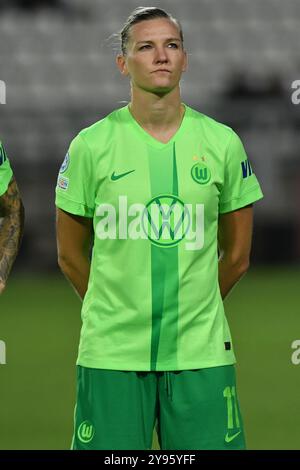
x=65 y=163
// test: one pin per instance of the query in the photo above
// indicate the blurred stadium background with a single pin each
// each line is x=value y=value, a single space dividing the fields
x=57 y=60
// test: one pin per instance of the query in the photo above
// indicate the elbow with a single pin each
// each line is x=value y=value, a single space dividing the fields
x=63 y=262
x=237 y=264
x=243 y=266
x=60 y=263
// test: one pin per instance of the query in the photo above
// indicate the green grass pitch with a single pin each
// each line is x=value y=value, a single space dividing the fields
x=40 y=324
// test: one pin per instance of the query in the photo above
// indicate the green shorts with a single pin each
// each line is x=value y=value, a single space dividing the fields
x=192 y=409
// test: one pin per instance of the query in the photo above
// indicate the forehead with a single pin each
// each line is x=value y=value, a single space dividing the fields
x=152 y=29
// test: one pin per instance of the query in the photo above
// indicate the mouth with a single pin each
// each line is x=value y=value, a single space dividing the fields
x=162 y=70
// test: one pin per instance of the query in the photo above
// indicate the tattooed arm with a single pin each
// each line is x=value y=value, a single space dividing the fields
x=11 y=229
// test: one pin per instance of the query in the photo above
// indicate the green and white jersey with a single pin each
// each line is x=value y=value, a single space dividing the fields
x=153 y=299
x=5 y=171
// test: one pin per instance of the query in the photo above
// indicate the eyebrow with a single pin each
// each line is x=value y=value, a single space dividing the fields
x=167 y=40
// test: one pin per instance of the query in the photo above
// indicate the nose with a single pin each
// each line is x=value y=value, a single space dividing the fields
x=160 y=55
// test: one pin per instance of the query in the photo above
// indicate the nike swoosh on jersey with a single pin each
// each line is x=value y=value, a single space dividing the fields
x=115 y=177
x=230 y=438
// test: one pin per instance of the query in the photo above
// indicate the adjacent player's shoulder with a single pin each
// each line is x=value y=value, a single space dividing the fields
x=3 y=155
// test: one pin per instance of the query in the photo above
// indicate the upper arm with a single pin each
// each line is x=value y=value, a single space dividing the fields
x=10 y=201
x=235 y=235
x=74 y=234
x=76 y=182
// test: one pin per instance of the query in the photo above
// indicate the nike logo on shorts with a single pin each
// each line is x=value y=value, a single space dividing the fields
x=230 y=438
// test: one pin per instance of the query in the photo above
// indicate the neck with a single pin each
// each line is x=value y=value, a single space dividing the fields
x=155 y=112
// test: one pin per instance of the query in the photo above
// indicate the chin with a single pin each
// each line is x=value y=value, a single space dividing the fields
x=161 y=89
x=157 y=88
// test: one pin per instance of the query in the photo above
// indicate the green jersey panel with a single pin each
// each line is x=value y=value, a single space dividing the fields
x=239 y=180
x=153 y=300
x=5 y=170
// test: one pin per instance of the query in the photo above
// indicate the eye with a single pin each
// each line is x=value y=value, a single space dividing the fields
x=148 y=45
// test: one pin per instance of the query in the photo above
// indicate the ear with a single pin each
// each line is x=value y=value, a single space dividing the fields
x=185 y=63
x=121 y=64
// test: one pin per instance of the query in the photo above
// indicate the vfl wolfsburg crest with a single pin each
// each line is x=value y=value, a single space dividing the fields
x=86 y=432
x=166 y=220
x=201 y=173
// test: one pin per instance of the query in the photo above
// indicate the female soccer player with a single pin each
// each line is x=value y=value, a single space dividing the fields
x=12 y=215
x=162 y=187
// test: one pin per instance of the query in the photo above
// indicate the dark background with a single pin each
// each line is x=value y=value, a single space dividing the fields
x=57 y=59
